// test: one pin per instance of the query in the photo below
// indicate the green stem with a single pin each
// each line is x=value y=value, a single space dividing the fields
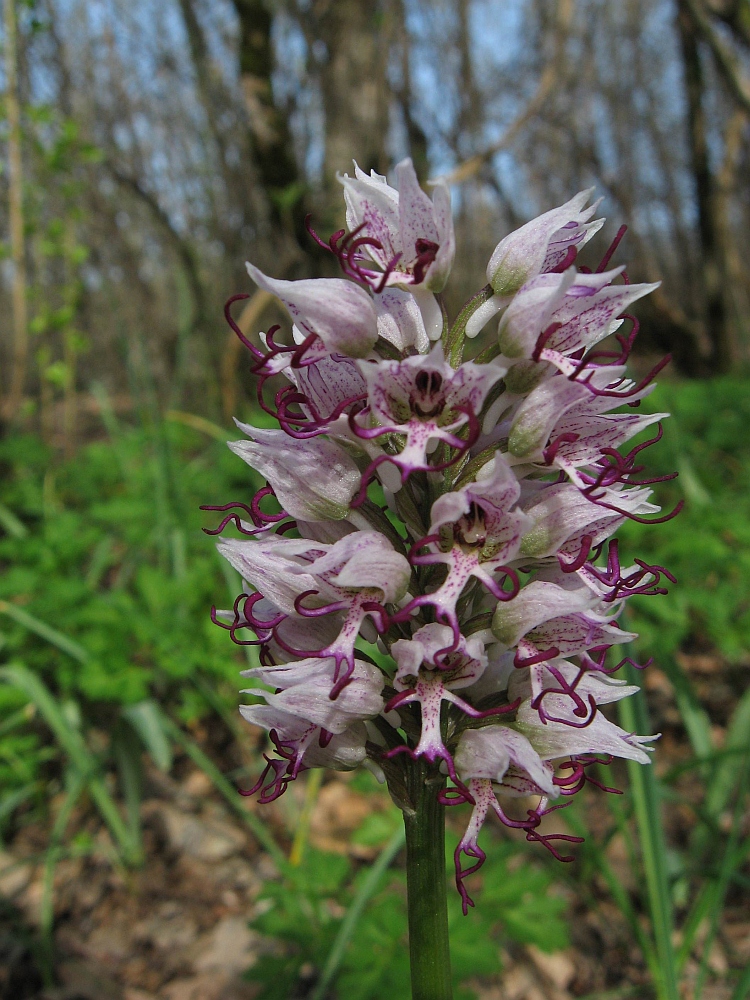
x=426 y=887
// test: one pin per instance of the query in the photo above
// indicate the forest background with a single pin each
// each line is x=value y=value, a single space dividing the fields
x=150 y=147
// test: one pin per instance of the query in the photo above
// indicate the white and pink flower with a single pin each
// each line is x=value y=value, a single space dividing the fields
x=440 y=583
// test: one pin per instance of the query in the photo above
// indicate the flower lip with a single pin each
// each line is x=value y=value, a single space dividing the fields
x=427 y=400
x=471 y=529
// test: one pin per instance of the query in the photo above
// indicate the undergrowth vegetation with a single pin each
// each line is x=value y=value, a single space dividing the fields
x=708 y=546
x=107 y=651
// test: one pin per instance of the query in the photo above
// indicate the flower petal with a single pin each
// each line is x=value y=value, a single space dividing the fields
x=364 y=560
x=537 y=602
x=338 y=311
x=522 y=254
x=460 y=668
x=488 y=752
x=272 y=567
x=373 y=204
x=328 y=383
x=313 y=479
x=310 y=699
x=552 y=740
x=531 y=310
x=400 y=320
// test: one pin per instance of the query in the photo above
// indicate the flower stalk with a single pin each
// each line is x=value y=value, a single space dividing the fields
x=429 y=947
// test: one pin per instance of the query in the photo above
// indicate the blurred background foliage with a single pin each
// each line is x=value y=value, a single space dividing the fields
x=148 y=148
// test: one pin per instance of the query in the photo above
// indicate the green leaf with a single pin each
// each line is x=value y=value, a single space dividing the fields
x=694 y=716
x=147 y=720
x=742 y=989
x=366 y=889
x=729 y=769
x=83 y=761
x=10 y=802
x=44 y=631
x=647 y=802
x=10 y=523
x=39 y=694
x=377 y=828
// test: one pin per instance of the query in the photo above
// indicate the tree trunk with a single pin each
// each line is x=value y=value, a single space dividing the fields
x=354 y=87
x=414 y=131
x=271 y=137
x=712 y=270
x=15 y=212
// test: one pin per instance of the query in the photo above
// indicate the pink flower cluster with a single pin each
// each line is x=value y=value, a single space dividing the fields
x=437 y=579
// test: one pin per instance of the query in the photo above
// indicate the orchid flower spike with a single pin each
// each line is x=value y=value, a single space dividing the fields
x=430 y=582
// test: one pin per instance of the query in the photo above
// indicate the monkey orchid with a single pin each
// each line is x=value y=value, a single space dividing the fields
x=429 y=574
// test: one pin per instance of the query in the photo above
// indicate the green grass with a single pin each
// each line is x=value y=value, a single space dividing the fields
x=107 y=581
x=708 y=546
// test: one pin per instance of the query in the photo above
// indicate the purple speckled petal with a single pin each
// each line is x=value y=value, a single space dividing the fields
x=416 y=213
x=594 y=432
x=537 y=602
x=286 y=675
x=310 y=699
x=554 y=739
x=438 y=272
x=273 y=567
x=329 y=382
x=373 y=204
x=605 y=689
x=488 y=752
x=338 y=311
x=523 y=253
x=561 y=515
x=572 y=634
x=400 y=320
x=531 y=310
x=364 y=559
x=585 y=320
x=539 y=413
x=576 y=235
x=313 y=479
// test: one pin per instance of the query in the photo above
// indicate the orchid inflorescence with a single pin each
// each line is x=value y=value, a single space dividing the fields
x=435 y=580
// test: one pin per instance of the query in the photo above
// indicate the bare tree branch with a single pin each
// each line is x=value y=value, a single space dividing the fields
x=726 y=60
x=547 y=81
x=736 y=15
x=184 y=250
